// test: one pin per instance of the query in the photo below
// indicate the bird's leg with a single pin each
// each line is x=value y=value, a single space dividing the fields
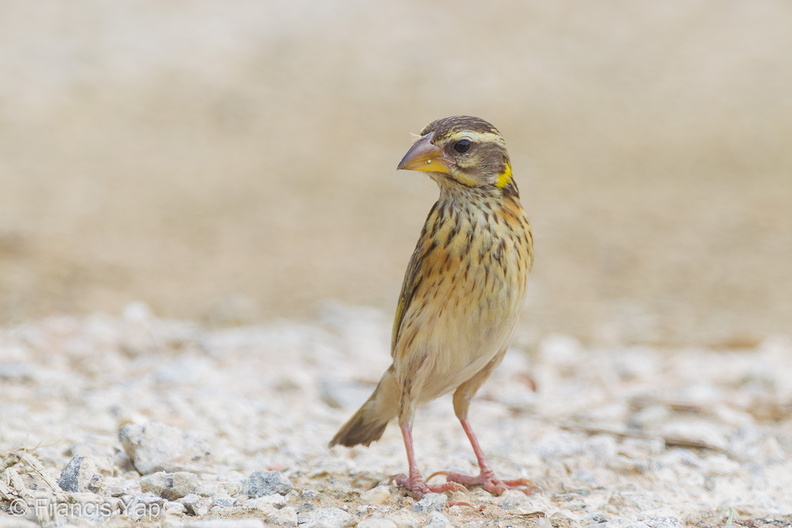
x=486 y=478
x=415 y=483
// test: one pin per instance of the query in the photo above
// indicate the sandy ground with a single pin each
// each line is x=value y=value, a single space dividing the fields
x=232 y=165
x=173 y=421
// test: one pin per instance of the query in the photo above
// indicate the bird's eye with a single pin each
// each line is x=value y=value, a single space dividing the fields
x=462 y=146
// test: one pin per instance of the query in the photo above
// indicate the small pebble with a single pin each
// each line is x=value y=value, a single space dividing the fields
x=663 y=522
x=622 y=464
x=559 y=520
x=195 y=504
x=224 y=502
x=266 y=483
x=154 y=446
x=309 y=494
x=80 y=475
x=431 y=502
x=174 y=508
x=286 y=516
x=170 y=486
x=265 y=502
x=378 y=495
x=697 y=432
x=438 y=520
x=142 y=505
x=325 y=518
x=512 y=499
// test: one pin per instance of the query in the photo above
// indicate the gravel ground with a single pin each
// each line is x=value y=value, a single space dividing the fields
x=136 y=420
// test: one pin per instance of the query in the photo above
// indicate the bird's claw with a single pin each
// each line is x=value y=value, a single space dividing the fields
x=488 y=481
x=418 y=487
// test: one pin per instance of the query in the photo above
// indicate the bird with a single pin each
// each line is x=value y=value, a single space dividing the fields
x=461 y=298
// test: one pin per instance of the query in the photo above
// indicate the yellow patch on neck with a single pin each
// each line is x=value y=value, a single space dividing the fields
x=504 y=178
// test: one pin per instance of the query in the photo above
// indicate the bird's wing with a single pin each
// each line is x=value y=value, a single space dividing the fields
x=410 y=284
x=424 y=249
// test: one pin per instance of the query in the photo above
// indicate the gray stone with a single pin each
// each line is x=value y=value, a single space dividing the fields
x=80 y=475
x=431 y=502
x=663 y=522
x=158 y=447
x=170 y=486
x=438 y=520
x=263 y=483
x=325 y=518
x=224 y=502
x=309 y=494
x=142 y=506
x=195 y=504
x=119 y=486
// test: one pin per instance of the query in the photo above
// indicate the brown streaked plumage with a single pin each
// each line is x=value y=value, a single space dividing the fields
x=462 y=295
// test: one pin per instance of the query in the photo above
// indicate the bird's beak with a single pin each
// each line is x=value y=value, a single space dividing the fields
x=424 y=156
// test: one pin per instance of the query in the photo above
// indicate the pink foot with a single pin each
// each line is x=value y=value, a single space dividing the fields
x=418 y=487
x=488 y=481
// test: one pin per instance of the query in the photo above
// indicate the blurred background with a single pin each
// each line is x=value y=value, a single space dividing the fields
x=235 y=162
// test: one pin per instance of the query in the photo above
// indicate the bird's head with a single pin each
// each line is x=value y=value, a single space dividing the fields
x=463 y=149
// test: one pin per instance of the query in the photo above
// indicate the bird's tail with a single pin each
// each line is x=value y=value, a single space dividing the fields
x=370 y=421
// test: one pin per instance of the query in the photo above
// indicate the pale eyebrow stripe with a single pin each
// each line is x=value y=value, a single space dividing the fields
x=477 y=136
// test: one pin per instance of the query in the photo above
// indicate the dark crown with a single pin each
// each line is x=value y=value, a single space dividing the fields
x=448 y=125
